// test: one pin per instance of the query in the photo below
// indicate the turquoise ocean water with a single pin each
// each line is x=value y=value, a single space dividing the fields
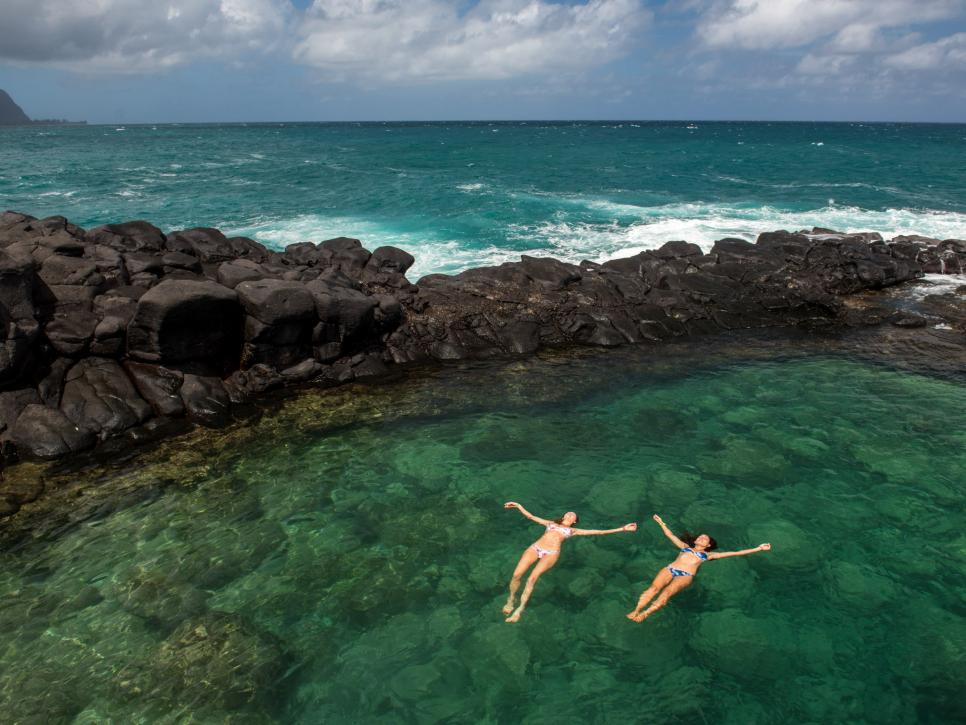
x=463 y=194
x=344 y=558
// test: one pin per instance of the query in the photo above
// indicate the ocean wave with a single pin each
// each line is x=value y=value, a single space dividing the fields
x=703 y=224
x=448 y=256
x=637 y=229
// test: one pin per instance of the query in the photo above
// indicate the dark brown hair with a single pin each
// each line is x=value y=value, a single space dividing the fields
x=560 y=520
x=688 y=538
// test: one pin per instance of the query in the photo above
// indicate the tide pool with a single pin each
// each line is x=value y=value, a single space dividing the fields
x=345 y=558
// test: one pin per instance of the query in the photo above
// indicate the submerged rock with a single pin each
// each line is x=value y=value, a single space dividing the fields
x=221 y=660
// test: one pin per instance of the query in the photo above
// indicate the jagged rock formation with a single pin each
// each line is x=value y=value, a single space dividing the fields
x=108 y=328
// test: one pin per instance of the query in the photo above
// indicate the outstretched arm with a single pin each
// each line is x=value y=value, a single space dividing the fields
x=518 y=507
x=599 y=532
x=668 y=533
x=743 y=552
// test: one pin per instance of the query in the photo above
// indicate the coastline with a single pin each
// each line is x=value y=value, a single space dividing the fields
x=124 y=334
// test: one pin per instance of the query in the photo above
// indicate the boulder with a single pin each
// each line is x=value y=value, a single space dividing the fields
x=242 y=385
x=99 y=396
x=109 y=263
x=16 y=287
x=12 y=404
x=305 y=254
x=278 y=326
x=210 y=246
x=51 y=381
x=160 y=387
x=136 y=236
x=177 y=261
x=389 y=260
x=347 y=255
x=70 y=333
x=677 y=249
x=345 y=315
x=114 y=313
x=231 y=274
x=205 y=398
x=550 y=272
x=48 y=433
x=142 y=263
x=187 y=320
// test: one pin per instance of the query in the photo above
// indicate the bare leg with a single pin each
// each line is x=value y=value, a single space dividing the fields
x=545 y=563
x=662 y=579
x=526 y=561
x=681 y=582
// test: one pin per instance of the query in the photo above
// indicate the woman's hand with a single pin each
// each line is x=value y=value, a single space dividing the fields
x=658 y=519
x=630 y=527
x=764 y=547
x=512 y=505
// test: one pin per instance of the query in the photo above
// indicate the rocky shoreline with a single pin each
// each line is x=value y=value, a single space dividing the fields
x=120 y=328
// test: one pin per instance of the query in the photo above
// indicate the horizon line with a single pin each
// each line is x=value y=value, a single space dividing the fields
x=44 y=122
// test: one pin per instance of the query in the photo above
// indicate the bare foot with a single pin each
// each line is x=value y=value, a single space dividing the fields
x=515 y=617
x=640 y=617
x=508 y=607
x=632 y=615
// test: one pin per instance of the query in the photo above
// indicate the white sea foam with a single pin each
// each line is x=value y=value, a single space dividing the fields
x=704 y=223
x=470 y=187
x=67 y=194
x=938 y=284
x=632 y=229
x=449 y=256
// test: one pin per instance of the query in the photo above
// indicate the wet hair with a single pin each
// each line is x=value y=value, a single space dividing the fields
x=688 y=538
x=560 y=520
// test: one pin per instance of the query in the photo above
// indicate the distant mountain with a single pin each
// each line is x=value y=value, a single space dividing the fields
x=10 y=113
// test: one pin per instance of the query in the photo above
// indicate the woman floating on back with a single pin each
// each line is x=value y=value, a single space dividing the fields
x=544 y=552
x=694 y=551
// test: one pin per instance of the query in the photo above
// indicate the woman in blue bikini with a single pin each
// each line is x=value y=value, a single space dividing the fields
x=544 y=552
x=694 y=551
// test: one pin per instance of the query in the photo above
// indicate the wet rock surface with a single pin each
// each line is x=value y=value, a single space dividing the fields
x=111 y=328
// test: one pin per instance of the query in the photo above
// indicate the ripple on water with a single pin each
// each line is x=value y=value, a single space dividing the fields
x=318 y=569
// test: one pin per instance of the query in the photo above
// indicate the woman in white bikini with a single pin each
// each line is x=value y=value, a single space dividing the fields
x=693 y=551
x=544 y=552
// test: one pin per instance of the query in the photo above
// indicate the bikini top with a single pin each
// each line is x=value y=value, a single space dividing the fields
x=566 y=531
x=700 y=554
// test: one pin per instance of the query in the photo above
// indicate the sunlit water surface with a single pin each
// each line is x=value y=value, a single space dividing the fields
x=355 y=573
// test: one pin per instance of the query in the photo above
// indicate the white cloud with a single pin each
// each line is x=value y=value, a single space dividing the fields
x=945 y=54
x=137 y=35
x=431 y=40
x=767 y=24
x=824 y=65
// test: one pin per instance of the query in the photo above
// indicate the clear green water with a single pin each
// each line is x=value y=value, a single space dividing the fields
x=366 y=563
x=458 y=195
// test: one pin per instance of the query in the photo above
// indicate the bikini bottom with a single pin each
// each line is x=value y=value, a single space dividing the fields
x=678 y=572
x=541 y=552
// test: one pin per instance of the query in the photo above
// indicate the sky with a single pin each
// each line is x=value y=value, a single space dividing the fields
x=155 y=61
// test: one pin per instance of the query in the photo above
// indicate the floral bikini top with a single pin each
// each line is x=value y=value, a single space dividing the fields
x=565 y=530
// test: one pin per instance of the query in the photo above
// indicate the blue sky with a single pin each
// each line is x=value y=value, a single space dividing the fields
x=109 y=61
